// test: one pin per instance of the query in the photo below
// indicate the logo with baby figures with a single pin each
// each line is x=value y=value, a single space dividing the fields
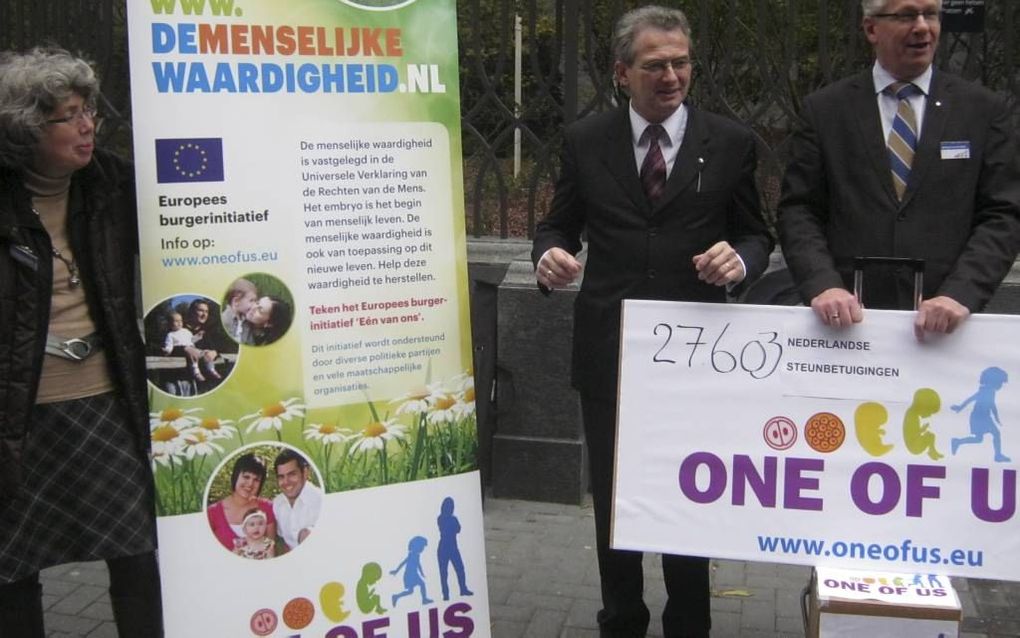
x=378 y=598
x=925 y=426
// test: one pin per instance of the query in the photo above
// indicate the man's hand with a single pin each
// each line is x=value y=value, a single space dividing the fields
x=719 y=265
x=837 y=307
x=939 y=314
x=557 y=268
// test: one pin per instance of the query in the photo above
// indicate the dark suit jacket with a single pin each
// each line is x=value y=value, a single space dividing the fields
x=961 y=216
x=635 y=251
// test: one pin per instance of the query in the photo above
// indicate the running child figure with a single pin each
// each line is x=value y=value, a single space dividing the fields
x=414 y=576
x=180 y=337
x=984 y=417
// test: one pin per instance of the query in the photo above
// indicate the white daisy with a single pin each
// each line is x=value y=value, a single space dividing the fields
x=217 y=429
x=174 y=417
x=197 y=443
x=375 y=435
x=326 y=434
x=272 y=416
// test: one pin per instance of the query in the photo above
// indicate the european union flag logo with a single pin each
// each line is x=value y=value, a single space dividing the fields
x=189 y=160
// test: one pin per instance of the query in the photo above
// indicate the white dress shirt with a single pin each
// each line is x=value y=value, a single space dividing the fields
x=887 y=104
x=675 y=126
x=291 y=519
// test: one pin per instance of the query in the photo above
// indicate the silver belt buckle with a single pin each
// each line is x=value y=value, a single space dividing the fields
x=77 y=349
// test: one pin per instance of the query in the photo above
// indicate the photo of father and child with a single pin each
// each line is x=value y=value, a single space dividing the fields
x=193 y=345
x=257 y=526
x=188 y=352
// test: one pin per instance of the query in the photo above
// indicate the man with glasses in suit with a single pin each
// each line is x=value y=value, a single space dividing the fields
x=666 y=195
x=902 y=160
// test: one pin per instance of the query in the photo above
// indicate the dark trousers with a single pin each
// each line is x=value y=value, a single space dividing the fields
x=134 y=595
x=624 y=613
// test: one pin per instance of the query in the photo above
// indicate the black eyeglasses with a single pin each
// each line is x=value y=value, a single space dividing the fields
x=78 y=117
x=658 y=67
x=909 y=17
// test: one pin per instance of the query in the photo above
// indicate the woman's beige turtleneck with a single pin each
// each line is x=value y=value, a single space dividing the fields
x=63 y=379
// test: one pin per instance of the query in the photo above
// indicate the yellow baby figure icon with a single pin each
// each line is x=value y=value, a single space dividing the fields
x=869 y=418
x=917 y=434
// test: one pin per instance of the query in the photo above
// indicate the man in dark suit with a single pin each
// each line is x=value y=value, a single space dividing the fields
x=670 y=215
x=902 y=160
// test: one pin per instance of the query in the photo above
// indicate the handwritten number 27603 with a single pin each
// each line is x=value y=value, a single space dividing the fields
x=757 y=357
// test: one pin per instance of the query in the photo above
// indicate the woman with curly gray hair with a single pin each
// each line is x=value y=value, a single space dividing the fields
x=75 y=484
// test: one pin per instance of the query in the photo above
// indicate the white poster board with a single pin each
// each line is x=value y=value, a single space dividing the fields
x=300 y=197
x=757 y=433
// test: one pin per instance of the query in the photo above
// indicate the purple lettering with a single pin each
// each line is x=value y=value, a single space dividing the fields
x=794 y=483
x=980 y=493
x=457 y=619
x=890 y=488
x=917 y=491
x=370 y=627
x=745 y=474
x=716 y=477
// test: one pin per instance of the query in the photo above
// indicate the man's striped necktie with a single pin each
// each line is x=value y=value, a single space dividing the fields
x=653 y=169
x=903 y=136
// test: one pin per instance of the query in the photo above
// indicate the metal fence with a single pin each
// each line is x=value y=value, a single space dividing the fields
x=755 y=61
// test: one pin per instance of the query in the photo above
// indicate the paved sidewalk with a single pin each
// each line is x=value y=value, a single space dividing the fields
x=543 y=583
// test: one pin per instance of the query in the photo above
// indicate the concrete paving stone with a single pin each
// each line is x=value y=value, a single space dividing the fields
x=771 y=569
x=579 y=632
x=725 y=623
x=508 y=629
x=70 y=624
x=540 y=602
x=100 y=610
x=582 y=614
x=1003 y=612
x=511 y=612
x=105 y=630
x=78 y=599
x=500 y=588
x=758 y=615
x=729 y=571
x=90 y=573
x=586 y=592
x=790 y=625
x=503 y=571
x=727 y=604
x=58 y=586
x=546 y=623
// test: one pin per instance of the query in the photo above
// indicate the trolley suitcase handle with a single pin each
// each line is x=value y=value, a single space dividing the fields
x=917 y=265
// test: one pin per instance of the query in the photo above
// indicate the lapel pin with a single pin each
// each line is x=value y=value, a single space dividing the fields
x=701 y=167
x=938 y=103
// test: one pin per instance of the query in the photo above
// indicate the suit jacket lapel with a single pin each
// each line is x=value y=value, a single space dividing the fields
x=869 y=120
x=619 y=159
x=936 y=111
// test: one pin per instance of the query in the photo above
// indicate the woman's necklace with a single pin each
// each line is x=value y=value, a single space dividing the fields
x=71 y=264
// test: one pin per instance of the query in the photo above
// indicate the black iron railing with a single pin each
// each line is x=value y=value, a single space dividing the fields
x=755 y=61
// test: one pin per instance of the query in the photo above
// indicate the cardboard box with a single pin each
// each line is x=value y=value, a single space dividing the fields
x=847 y=603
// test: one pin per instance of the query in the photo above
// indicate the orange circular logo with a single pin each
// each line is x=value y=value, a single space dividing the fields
x=824 y=432
x=298 y=613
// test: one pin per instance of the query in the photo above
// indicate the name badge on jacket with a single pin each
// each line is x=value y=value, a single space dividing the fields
x=955 y=150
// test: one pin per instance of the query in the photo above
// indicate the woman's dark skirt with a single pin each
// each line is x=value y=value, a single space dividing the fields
x=86 y=493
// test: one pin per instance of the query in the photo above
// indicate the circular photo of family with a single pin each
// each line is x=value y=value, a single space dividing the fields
x=187 y=352
x=263 y=501
x=257 y=309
